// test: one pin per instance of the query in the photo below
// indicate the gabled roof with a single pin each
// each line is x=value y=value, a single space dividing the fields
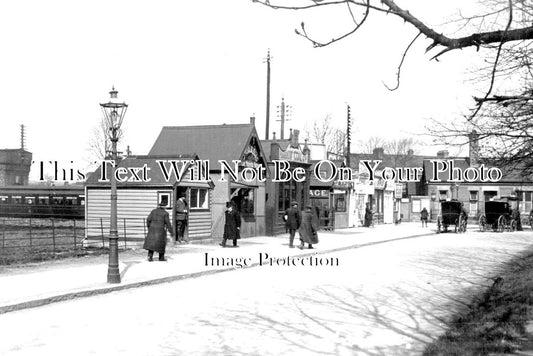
x=154 y=173
x=210 y=142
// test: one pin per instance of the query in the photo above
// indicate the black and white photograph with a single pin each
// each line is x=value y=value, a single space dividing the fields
x=266 y=177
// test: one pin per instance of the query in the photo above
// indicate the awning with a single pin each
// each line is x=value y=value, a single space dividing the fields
x=196 y=184
x=242 y=185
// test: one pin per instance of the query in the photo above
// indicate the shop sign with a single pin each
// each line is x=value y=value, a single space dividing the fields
x=292 y=155
x=318 y=193
x=342 y=185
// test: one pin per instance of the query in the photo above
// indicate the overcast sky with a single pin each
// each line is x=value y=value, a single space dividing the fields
x=202 y=62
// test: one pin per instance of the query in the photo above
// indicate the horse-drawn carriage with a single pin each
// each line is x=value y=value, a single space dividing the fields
x=451 y=213
x=498 y=217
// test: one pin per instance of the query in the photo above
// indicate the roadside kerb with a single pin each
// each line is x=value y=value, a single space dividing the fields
x=112 y=288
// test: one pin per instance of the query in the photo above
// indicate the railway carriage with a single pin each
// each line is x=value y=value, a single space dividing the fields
x=63 y=202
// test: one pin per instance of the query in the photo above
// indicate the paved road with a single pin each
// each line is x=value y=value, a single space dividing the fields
x=387 y=299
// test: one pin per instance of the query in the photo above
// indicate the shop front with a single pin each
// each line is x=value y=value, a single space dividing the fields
x=279 y=194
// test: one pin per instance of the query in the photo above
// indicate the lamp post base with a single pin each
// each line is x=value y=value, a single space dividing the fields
x=113 y=273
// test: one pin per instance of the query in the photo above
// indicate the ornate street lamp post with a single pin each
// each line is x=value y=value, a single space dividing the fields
x=114 y=113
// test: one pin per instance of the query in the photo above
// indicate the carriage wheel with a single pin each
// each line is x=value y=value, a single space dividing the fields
x=500 y=224
x=482 y=223
x=461 y=224
x=513 y=225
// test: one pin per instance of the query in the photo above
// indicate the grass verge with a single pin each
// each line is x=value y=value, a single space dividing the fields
x=495 y=322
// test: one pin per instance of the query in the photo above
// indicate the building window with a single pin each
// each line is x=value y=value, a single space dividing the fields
x=163 y=199
x=339 y=202
x=526 y=202
x=287 y=194
x=199 y=198
x=244 y=198
x=416 y=206
x=490 y=195
x=474 y=195
x=443 y=194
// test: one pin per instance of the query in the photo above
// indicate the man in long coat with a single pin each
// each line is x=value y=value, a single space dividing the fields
x=368 y=215
x=308 y=228
x=292 y=221
x=182 y=215
x=232 y=224
x=158 y=222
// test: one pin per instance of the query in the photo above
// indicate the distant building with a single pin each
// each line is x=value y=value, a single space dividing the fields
x=14 y=166
x=428 y=192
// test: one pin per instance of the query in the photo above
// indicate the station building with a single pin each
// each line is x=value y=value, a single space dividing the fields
x=224 y=143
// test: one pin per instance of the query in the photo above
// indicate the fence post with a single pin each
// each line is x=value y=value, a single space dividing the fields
x=125 y=244
x=102 y=232
x=75 y=247
x=30 y=234
x=53 y=236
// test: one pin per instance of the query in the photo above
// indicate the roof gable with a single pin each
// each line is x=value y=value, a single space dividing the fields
x=211 y=142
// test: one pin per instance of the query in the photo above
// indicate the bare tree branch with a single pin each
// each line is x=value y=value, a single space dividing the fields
x=390 y=7
x=493 y=76
x=398 y=72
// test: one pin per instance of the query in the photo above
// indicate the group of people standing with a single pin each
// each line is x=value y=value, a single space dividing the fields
x=158 y=223
x=303 y=221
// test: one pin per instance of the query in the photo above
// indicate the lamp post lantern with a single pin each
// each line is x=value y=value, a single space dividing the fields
x=114 y=113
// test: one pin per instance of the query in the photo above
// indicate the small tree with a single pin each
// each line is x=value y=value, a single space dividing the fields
x=323 y=132
x=99 y=144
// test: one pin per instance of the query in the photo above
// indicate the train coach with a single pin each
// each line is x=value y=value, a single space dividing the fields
x=62 y=202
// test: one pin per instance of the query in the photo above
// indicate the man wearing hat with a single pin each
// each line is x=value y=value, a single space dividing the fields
x=158 y=222
x=181 y=219
x=292 y=219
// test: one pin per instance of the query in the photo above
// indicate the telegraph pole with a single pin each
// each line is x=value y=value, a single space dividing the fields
x=348 y=134
x=268 y=96
x=22 y=137
x=283 y=112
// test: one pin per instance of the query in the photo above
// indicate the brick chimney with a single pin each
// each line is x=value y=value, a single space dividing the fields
x=294 y=138
x=252 y=120
x=378 y=153
x=473 y=148
x=442 y=154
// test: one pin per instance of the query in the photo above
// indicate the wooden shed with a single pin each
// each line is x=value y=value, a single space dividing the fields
x=140 y=193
